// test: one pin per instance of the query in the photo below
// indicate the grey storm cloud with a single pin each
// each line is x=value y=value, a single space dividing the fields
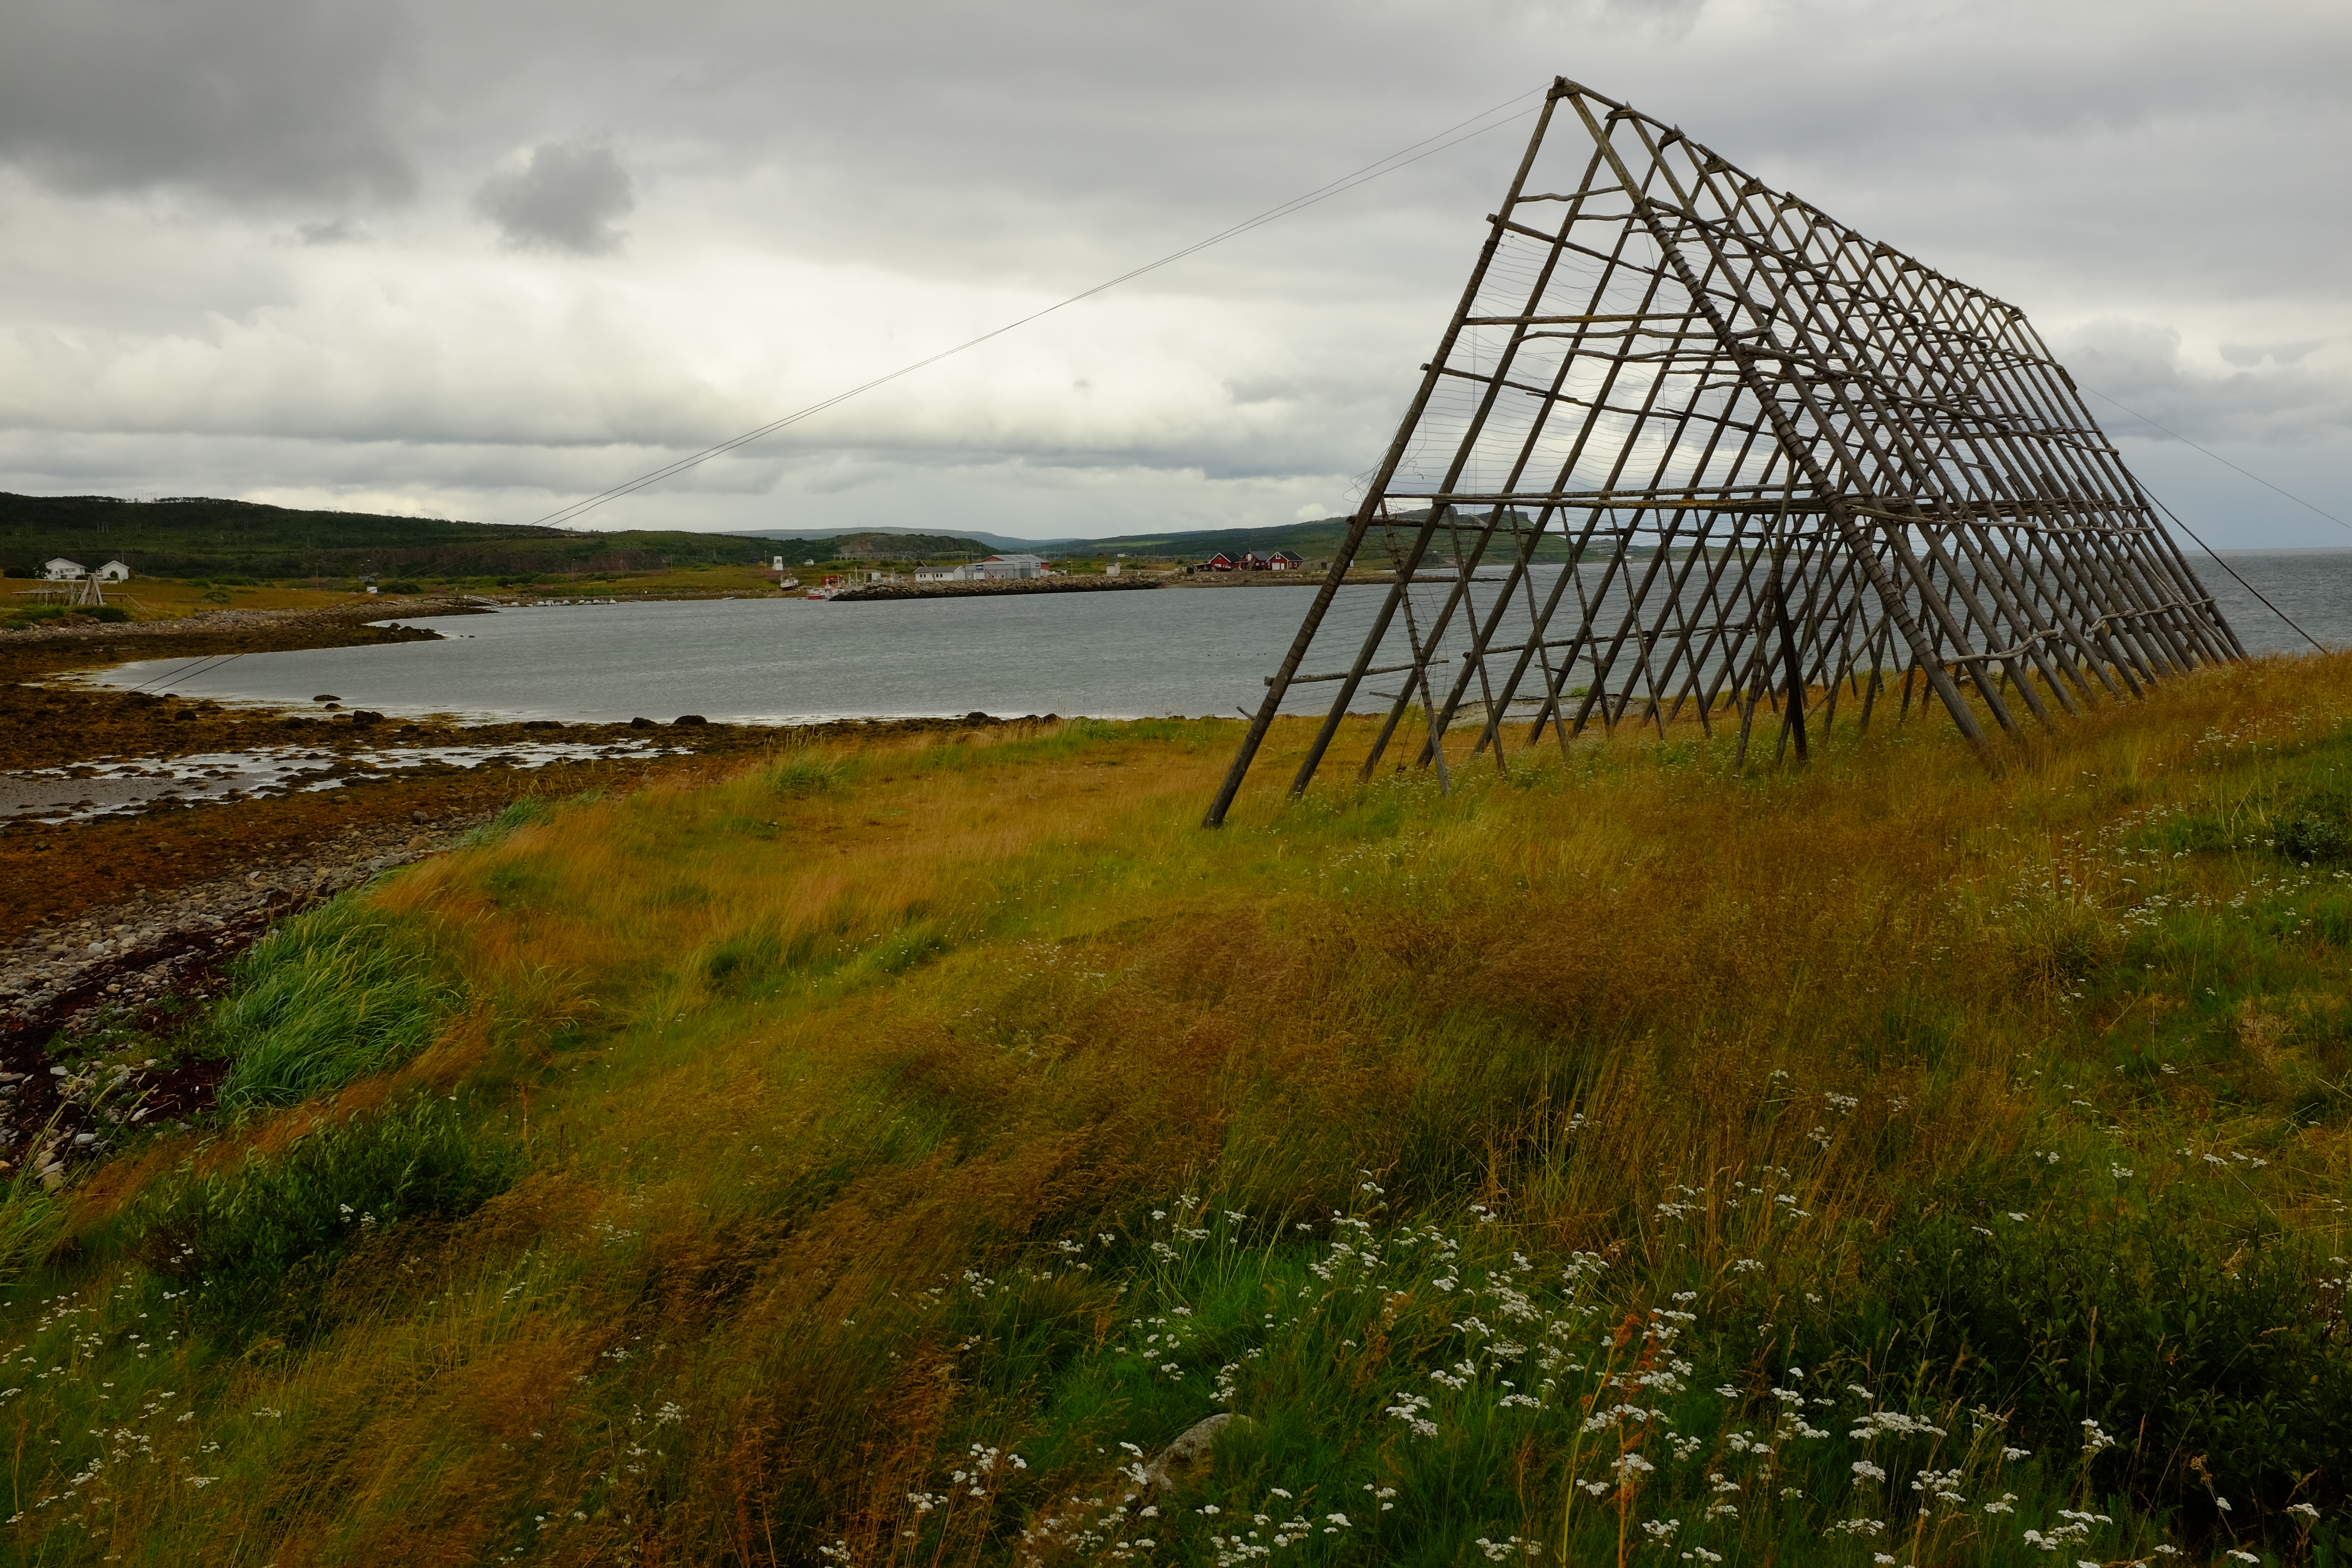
x=330 y=231
x=238 y=99
x=325 y=249
x=566 y=196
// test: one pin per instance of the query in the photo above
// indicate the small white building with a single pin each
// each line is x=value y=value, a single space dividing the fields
x=1000 y=568
x=113 y=572
x=57 y=569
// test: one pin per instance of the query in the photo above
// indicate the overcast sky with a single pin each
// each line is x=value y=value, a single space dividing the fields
x=478 y=260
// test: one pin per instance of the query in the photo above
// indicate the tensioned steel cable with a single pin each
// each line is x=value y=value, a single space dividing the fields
x=2208 y=549
x=2232 y=571
x=1403 y=157
x=2221 y=459
x=214 y=660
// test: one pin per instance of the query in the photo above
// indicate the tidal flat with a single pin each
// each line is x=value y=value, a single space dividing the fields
x=898 y=1147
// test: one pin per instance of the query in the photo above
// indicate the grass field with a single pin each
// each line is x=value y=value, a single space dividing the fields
x=156 y=598
x=880 y=1156
x=166 y=598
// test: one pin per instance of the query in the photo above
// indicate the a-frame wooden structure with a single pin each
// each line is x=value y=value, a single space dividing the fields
x=1788 y=465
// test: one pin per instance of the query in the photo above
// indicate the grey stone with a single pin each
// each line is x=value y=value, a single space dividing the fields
x=1188 y=1458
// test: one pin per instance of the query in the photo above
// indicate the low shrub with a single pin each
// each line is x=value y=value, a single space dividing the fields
x=2311 y=839
x=260 y=1238
x=2180 y=1367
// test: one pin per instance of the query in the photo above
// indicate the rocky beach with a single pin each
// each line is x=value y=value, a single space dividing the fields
x=134 y=876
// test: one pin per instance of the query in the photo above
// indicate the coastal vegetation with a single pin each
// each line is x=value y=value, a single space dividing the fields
x=882 y=1153
x=224 y=547
x=145 y=598
x=201 y=536
x=192 y=555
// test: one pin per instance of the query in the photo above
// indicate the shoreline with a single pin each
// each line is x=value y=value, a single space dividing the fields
x=868 y=592
x=120 y=920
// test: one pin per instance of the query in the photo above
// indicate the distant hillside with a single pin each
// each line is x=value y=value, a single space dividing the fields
x=1311 y=541
x=196 y=537
x=902 y=540
x=200 y=538
x=876 y=546
x=1317 y=541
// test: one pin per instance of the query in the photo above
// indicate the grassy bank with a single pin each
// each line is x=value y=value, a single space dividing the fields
x=175 y=599
x=1888 y=1162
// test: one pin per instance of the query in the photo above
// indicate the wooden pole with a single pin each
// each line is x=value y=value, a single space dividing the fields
x=1780 y=455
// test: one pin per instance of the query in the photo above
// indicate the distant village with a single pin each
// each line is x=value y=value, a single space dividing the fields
x=1005 y=568
x=57 y=569
x=71 y=583
x=1022 y=567
x=74 y=584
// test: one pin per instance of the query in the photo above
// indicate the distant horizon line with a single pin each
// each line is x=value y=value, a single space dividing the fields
x=987 y=536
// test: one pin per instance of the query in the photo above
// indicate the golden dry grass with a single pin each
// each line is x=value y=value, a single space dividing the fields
x=795 y=1055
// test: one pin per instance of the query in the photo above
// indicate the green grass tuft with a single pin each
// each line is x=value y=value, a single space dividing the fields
x=805 y=773
x=258 y=1240
x=331 y=996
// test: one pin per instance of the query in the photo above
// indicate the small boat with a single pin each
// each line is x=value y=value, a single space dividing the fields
x=832 y=585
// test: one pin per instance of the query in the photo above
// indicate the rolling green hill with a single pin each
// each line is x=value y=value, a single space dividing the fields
x=197 y=537
x=879 y=547
x=1315 y=541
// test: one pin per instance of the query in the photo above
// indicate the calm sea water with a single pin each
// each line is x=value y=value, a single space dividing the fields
x=2313 y=587
x=1133 y=654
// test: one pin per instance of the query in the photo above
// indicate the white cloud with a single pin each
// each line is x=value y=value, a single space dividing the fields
x=288 y=292
x=2265 y=395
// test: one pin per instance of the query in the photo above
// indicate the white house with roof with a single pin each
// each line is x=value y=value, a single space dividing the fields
x=113 y=572
x=57 y=569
